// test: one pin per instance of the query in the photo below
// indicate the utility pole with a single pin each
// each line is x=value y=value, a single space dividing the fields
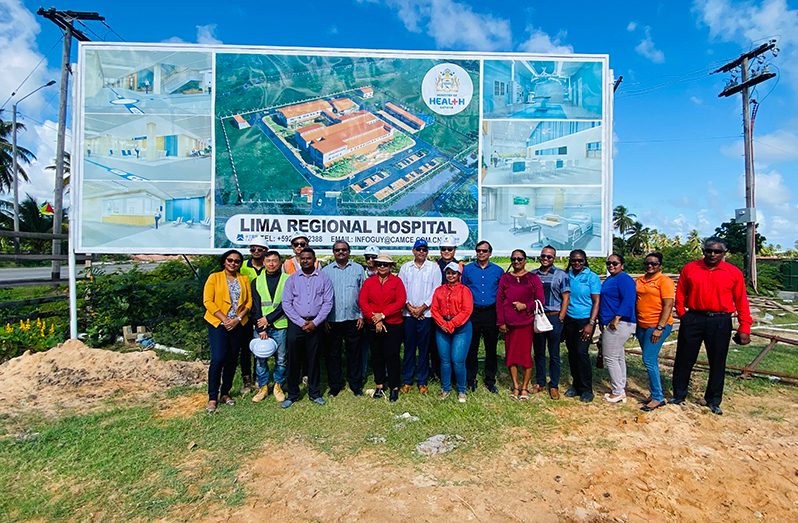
x=748 y=79
x=64 y=20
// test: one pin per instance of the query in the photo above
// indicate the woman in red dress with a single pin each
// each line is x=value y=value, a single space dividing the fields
x=515 y=306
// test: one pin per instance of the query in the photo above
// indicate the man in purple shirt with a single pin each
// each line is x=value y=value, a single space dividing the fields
x=307 y=300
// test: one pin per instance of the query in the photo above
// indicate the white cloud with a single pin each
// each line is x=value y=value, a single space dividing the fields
x=453 y=24
x=541 y=42
x=332 y=30
x=631 y=26
x=206 y=34
x=648 y=49
x=779 y=146
x=750 y=22
x=696 y=100
x=174 y=40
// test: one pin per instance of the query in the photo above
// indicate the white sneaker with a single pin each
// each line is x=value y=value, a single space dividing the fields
x=461 y=398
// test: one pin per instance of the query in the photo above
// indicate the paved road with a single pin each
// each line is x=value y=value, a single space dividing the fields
x=17 y=274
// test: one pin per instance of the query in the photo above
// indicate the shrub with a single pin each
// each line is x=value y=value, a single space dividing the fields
x=16 y=338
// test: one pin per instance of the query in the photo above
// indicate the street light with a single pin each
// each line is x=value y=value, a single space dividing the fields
x=14 y=168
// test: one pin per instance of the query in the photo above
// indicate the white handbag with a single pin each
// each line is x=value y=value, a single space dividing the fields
x=542 y=323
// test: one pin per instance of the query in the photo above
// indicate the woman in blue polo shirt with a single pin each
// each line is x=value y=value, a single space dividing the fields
x=617 y=317
x=580 y=320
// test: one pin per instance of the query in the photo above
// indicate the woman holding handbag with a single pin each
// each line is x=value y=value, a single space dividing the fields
x=515 y=306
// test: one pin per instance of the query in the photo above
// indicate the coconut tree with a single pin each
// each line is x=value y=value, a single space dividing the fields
x=693 y=242
x=67 y=167
x=622 y=220
x=638 y=239
x=24 y=156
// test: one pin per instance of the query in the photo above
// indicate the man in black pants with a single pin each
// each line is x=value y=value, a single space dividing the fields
x=482 y=279
x=307 y=300
x=709 y=291
x=345 y=323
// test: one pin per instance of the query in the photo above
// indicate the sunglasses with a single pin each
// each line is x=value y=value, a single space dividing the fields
x=651 y=264
x=299 y=244
x=447 y=249
x=482 y=251
x=370 y=256
x=341 y=249
x=382 y=264
x=421 y=249
x=613 y=263
x=518 y=259
x=577 y=260
x=257 y=249
x=714 y=251
x=546 y=257
x=234 y=261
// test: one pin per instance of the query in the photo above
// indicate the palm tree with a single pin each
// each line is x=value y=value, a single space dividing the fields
x=6 y=159
x=622 y=220
x=638 y=240
x=30 y=220
x=693 y=242
x=67 y=167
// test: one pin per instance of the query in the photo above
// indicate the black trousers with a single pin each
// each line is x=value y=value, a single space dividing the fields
x=224 y=353
x=578 y=357
x=343 y=336
x=715 y=333
x=483 y=325
x=385 y=348
x=302 y=351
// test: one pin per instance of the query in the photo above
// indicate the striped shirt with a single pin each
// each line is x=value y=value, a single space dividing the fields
x=346 y=282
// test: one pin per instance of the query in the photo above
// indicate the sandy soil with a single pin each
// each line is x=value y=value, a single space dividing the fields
x=73 y=376
x=604 y=464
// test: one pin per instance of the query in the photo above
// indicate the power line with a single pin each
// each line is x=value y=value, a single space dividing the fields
x=44 y=57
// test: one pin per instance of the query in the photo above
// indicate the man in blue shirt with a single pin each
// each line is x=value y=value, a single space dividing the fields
x=557 y=292
x=579 y=323
x=482 y=278
x=345 y=322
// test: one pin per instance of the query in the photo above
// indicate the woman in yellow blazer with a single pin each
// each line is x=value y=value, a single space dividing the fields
x=227 y=298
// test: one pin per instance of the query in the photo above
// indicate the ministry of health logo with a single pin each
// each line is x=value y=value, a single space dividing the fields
x=447 y=89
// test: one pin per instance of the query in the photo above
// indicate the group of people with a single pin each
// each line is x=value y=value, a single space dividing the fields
x=300 y=313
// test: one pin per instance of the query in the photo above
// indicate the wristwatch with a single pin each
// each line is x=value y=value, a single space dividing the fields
x=660 y=327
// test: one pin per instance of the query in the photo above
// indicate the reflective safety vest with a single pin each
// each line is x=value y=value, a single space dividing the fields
x=268 y=302
x=248 y=270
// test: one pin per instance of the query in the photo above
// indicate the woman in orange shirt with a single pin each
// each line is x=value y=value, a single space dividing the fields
x=655 y=295
x=452 y=304
x=227 y=299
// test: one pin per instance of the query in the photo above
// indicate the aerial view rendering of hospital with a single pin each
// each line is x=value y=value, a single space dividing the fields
x=339 y=136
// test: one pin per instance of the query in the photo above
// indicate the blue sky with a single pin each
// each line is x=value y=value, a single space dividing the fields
x=678 y=147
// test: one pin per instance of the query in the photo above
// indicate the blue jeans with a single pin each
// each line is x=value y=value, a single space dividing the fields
x=417 y=333
x=453 y=349
x=551 y=340
x=262 y=364
x=651 y=358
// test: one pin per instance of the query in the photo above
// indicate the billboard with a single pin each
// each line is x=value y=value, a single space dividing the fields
x=193 y=149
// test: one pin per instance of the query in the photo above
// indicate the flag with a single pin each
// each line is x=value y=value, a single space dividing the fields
x=46 y=209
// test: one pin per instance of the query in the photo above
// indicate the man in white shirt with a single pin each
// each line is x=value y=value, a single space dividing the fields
x=420 y=277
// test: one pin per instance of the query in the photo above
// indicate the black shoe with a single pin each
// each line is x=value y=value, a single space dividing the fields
x=586 y=397
x=646 y=408
x=472 y=387
x=492 y=389
x=378 y=394
x=334 y=393
x=358 y=392
x=677 y=401
x=715 y=409
x=394 y=394
x=571 y=393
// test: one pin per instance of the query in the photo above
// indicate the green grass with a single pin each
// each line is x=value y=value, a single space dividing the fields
x=127 y=463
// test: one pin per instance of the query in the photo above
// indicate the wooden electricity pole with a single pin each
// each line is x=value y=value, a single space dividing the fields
x=748 y=79
x=64 y=20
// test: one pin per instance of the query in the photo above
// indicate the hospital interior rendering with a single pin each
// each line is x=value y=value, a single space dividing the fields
x=542 y=89
x=531 y=218
x=518 y=152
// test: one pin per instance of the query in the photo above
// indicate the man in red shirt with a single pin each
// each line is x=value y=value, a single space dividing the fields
x=708 y=292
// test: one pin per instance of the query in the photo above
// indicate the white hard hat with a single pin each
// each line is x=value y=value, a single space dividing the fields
x=452 y=266
x=372 y=250
x=260 y=241
x=447 y=241
x=263 y=348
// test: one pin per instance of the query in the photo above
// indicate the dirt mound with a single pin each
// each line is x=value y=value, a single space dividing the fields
x=73 y=375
